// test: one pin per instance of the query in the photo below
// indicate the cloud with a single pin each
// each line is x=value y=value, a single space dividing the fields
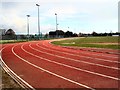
x=15 y=22
x=76 y=14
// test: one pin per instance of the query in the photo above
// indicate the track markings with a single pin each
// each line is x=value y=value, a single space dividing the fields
x=75 y=59
x=110 y=77
x=19 y=80
x=54 y=73
x=59 y=76
x=87 y=53
x=88 y=57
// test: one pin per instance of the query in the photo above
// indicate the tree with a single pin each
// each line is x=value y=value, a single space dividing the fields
x=46 y=35
x=68 y=34
x=75 y=35
x=94 y=33
x=52 y=34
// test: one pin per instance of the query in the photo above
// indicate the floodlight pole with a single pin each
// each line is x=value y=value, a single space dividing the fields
x=56 y=21
x=56 y=24
x=28 y=25
x=38 y=22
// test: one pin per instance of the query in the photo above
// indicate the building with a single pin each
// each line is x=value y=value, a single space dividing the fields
x=2 y=32
x=56 y=34
x=8 y=35
x=10 y=32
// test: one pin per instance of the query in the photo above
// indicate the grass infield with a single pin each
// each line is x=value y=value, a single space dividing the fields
x=110 y=42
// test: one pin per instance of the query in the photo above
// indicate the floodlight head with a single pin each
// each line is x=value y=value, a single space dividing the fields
x=28 y=15
x=37 y=5
x=55 y=13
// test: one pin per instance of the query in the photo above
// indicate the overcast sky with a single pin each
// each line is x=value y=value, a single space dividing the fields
x=83 y=16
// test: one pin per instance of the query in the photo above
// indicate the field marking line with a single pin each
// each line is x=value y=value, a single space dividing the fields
x=76 y=60
x=14 y=76
x=47 y=71
x=50 y=42
x=88 y=57
x=83 y=70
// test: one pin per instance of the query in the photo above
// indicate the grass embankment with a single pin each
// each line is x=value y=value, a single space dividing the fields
x=94 y=42
x=8 y=82
x=11 y=41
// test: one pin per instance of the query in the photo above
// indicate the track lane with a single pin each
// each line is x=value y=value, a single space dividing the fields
x=15 y=64
x=80 y=79
x=78 y=58
x=39 y=66
x=113 y=83
x=79 y=52
x=38 y=79
x=18 y=79
x=72 y=62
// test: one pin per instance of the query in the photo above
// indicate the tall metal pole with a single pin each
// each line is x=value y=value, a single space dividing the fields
x=56 y=25
x=38 y=22
x=28 y=25
x=56 y=21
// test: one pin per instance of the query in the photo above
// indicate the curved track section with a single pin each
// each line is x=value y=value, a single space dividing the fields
x=19 y=80
x=44 y=65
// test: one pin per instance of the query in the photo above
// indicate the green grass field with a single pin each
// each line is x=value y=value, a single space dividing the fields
x=94 y=42
x=11 y=41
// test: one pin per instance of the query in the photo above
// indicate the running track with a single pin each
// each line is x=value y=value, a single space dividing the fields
x=43 y=65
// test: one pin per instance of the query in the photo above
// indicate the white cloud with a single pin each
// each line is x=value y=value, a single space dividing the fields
x=80 y=14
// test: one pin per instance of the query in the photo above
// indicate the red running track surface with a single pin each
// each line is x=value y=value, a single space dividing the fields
x=44 y=65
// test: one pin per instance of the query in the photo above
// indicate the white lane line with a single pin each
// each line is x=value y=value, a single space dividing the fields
x=81 y=55
x=54 y=74
x=76 y=59
x=88 y=53
x=19 y=80
x=83 y=70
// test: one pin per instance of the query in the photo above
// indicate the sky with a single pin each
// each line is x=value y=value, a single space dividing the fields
x=83 y=16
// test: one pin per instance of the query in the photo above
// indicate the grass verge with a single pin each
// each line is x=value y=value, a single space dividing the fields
x=8 y=82
x=11 y=41
x=93 y=42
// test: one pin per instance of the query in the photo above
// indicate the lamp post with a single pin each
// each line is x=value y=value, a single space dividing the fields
x=56 y=25
x=56 y=21
x=28 y=25
x=38 y=22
